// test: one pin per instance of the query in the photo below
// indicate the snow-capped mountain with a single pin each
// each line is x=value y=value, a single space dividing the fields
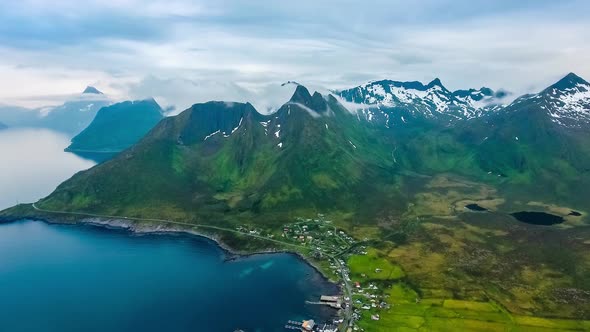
x=567 y=102
x=70 y=118
x=394 y=102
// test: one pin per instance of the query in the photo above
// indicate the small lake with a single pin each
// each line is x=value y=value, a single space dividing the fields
x=83 y=278
x=538 y=218
x=475 y=207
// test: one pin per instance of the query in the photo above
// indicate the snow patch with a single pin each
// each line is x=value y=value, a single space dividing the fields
x=239 y=124
x=214 y=133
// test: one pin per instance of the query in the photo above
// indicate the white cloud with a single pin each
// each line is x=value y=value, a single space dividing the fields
x=182 y=52
x=182 y=93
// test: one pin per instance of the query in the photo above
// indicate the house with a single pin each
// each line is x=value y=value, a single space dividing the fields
x=308 y=325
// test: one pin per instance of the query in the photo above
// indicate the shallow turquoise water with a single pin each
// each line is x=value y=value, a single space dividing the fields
x=83 y=278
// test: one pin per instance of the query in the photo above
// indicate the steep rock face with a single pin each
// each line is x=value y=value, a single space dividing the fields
x=118 y=126
x=207 y=120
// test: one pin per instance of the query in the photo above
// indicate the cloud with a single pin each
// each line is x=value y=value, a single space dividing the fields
x=190 y=51
x=182 y=93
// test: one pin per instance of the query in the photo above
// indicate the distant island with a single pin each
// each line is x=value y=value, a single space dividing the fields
x=118 y=126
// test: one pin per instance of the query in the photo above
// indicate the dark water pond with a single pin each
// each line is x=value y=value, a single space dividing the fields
x=538 y=218
x=475 y=207
x=575 y=214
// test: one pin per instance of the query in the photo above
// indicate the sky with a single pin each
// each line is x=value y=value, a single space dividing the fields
x=182 y=52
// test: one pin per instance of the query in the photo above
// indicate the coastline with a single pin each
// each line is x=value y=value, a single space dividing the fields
x=68 y=149
x=140 y=229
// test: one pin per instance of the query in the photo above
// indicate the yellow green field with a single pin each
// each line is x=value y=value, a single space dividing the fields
x=373 y=267
x=430 y=314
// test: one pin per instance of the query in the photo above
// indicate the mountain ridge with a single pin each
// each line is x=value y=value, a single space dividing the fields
x=118 y=126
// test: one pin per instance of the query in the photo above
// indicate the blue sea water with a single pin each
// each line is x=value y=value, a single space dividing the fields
x=83 y=278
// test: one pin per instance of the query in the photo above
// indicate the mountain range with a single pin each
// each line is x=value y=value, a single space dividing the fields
x=314 y=153
x=538 y=141
x=69 y=118
x=389 y=102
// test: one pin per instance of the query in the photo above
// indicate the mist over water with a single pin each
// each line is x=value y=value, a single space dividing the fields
x=33 y=163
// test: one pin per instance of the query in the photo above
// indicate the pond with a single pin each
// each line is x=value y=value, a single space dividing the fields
x=475 y=207
x=538 y=218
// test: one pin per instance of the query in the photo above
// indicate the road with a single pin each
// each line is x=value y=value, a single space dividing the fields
x=83 y=214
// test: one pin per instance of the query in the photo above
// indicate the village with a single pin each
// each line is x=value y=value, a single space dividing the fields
x=332 y=248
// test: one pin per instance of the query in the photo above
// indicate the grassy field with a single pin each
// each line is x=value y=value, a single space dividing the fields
x=456 y=270
x=373 y=267
x=433 y=314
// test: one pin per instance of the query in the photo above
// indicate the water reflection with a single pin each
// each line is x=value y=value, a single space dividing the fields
x=33 y=163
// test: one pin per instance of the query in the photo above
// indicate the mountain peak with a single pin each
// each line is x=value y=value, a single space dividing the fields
x=434 y=82
x=568 y=82
x=301 y=95
x=91 y=90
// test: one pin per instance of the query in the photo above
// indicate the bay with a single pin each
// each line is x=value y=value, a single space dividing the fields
x=84 y=278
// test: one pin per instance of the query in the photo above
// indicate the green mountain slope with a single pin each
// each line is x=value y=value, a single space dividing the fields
x=118 y=126
x=537 y=147
x=314 y=154
x=220 y=158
